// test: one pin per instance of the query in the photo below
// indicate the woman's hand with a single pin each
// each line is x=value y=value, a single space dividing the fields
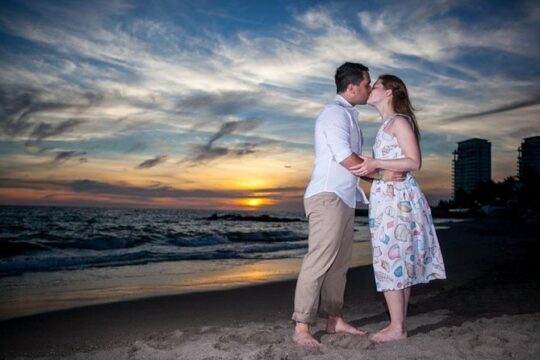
x=368 y=166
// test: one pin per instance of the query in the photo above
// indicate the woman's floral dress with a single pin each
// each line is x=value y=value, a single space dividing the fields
x=405 y=246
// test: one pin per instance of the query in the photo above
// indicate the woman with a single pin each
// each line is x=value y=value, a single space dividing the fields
x=405 y=247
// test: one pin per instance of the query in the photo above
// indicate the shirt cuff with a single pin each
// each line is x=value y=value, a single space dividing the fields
x=342 y=155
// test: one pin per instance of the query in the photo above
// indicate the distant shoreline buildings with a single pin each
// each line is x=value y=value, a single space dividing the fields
x=471 y=165
x=529 y=159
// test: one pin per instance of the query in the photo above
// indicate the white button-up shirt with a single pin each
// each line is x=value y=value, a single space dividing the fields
x=337 y=136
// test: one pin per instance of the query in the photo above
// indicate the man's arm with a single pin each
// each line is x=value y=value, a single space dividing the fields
x=336 y=128
x=351 y=161
x=386 y=175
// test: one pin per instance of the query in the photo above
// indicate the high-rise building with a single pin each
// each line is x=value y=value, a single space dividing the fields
x=529 y=159
x=471 y=165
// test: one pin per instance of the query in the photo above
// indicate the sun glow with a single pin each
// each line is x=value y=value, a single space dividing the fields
x=255 y=202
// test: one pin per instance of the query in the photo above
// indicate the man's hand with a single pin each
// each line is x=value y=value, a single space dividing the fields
x=368 y=166
x=358 y=164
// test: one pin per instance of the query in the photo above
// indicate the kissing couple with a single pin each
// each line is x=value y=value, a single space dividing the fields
x=405 y=248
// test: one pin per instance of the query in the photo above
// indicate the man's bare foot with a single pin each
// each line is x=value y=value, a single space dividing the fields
x=389 y=333
x=336 y=325
x=302 y=336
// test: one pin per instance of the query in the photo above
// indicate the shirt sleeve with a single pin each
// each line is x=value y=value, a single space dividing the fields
x=335 y=125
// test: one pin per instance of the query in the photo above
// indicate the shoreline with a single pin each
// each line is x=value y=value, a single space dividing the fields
x=42 y=292
x=491 y=280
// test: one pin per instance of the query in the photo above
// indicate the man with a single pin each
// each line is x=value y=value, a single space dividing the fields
x=330 y=201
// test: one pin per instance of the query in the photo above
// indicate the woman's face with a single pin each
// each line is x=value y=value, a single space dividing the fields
x=378 y=93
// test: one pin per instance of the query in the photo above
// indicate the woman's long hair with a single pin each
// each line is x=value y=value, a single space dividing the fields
x=400 y=100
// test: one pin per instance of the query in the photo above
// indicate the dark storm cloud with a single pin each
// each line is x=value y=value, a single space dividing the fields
x=514 y=106
x=152 y=162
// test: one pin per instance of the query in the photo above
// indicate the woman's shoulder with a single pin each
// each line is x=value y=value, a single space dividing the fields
x=400 y=121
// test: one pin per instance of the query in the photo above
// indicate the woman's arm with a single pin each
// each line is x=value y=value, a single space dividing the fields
x=406 y=139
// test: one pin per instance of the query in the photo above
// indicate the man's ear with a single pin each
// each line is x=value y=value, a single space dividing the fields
x=350 y=88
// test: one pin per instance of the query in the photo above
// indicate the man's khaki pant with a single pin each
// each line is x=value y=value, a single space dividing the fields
x=324 y=269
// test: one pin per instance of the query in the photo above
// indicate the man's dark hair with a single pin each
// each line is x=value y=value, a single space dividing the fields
x=349 y=73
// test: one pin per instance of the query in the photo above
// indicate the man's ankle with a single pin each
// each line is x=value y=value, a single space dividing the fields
x=301 y=327
x=333 y=319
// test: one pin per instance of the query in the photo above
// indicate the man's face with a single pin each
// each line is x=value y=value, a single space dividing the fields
x=362 y=90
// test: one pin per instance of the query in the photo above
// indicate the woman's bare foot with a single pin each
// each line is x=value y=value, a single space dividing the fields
x=302 y=336
x=389 y=333
x=336 y=325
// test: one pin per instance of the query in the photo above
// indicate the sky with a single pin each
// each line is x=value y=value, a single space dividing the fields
x=212 y=104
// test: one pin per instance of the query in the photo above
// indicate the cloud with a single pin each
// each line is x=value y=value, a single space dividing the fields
x=158 y=190
x=19 y=108
x=201 y=153
x=432 y=32
x=514 y=106
x=45 y=130
x=234 y=126
x=63 y=156
x=140 y=77
x=219 y=103
x=147 y=164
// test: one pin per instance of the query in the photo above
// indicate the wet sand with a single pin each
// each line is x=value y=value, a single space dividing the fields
x=489 y=308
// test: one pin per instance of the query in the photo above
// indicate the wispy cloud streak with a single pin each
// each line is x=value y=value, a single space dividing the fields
x=514 y=106
x=201 y=153
x=17 y=112
x=64 y=156
x=150 y=163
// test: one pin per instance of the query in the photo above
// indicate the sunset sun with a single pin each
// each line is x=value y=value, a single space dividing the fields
x=255 y=202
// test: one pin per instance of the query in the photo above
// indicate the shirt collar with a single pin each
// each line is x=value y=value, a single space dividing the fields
x=340 y=100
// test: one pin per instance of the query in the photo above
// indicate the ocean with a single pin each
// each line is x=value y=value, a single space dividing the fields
x=58 y=238
x=53 y=258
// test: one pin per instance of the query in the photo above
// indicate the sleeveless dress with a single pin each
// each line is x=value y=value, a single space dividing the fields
x=405 y=246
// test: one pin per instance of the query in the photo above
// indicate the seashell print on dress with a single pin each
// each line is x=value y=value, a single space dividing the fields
x=394 y=252
x=402 y=233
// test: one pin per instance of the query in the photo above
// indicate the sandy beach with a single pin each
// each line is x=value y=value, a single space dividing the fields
x=489 y=308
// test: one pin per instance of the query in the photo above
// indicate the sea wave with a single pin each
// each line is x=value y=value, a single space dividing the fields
x=45 y=239
x=110 y=241
x=21 y=264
